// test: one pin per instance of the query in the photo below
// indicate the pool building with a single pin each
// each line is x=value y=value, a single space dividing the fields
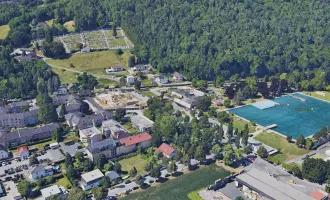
x=288 y=115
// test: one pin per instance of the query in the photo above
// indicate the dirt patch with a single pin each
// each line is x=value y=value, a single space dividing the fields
x=228 y=168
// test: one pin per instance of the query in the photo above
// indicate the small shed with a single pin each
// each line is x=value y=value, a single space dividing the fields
x=54 y=145
x=113 y=175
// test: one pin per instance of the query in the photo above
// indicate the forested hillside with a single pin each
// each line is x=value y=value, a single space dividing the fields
x=25 y=79
x=201 y=38
x=208 y=37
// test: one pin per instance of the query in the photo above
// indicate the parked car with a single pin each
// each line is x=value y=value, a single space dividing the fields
x=128 y=181
x=151 y=181
x=136 y=187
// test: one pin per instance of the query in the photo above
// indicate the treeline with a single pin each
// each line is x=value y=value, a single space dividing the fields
x=26 y=79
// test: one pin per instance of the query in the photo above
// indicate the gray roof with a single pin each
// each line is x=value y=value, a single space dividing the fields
x=141 y=120
x=7 y=136
x=112 y=175
x=270 y=186
x=114 y=126
x=38 y=168
x=102 y=145
x=52 y=190
x=177 y=74
x=92 y=175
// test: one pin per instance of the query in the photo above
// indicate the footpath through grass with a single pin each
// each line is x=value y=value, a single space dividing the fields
x=182 y=187
x=94 y=62
x=288 y=150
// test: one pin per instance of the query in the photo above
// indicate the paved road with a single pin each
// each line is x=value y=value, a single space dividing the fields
x=121 y=188
x=320 y=150
x=80 y=72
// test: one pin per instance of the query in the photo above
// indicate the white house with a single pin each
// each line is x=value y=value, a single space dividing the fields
x=40 y=171
x=90 y=135
x=54 y=145
x=115 y=69
x=141 y=123
x=54 y=190
x=161 y=79
x=130 y=79
x=140 y=67
x=3 y=152
x=91 y=179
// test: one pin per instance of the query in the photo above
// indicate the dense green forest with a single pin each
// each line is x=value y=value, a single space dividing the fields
x=204 y=38
x=24 y=79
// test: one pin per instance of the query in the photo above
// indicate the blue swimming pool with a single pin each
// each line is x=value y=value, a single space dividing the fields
x=297 y=117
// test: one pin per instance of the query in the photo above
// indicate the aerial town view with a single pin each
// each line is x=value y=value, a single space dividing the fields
x=164 y=100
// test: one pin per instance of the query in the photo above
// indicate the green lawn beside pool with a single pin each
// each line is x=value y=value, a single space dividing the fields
x=288 y=150
x=182 y=187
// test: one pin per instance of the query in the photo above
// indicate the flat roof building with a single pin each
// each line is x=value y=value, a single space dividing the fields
x=141 y=123
x=258 y=184
x=54 y=190
x=91 y=179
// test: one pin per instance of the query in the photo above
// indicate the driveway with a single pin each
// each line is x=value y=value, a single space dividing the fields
x=121 y=188
x=72 y=149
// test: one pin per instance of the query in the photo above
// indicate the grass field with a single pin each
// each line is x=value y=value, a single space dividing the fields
x=64 y=182
x=240 y=124
x=314 y=94
x=41 y=146
x=65 y=76
x=4 y=30
x=318 y=156
x=129 y=127
x=288 y=150
x=95 y=62
x=137 y=161
x=182 y=186
x=107 y=82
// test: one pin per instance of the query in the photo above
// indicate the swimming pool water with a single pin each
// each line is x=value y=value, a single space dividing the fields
x=299 y=117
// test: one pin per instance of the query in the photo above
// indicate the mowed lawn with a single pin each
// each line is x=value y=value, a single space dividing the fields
x=137 y=161
x=183 y=186
x=314 y=94
x=65 y=76
x=288 y=150
x=4 y=30
x=94 y=62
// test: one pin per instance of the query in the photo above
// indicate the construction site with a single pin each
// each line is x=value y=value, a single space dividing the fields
x=113 y=100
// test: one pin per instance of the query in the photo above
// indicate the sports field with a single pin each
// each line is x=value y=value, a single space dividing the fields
x=182 y=186
x=292 y=115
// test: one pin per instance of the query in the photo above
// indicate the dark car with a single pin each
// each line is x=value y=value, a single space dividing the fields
x=135 y=188
x=8 y=178
x=128 y=181
x=79 y=147
x=6 y=171
x=9 y=163
x=151 y=181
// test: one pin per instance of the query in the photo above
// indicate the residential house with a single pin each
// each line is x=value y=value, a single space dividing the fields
x=85 y=92
x=115 y=69
x=23 y=151
x=167 y=150
x=188 y=102
x=319 y=195
x=113 y=175
x=3 y=152
x=177 y=77
x=90 y=135
x=131 y=143
x=106 y=147
x=71 y=86
x=254 y=146
x=40 y=171
x=141 y=123
x=80 y=121
x=61 y=91
x=41 y=25
x=91 y=179
x=130 y=80
x=161 y=79
x=15 y=107
x=70 y=107
x=27 y=135
x=65 y=99
x=54 y=145
x=28 y=57
x=54 y=190
x=113 y=128
x=140 y=67
x=24 y=119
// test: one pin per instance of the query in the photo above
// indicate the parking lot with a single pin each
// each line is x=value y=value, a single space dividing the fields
x=72 y=149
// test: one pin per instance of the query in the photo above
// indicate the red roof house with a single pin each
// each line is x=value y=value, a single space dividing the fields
x=167 y=150
x=319 y=195
x=136 y=139
x=130 y=144
x=23 y=151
